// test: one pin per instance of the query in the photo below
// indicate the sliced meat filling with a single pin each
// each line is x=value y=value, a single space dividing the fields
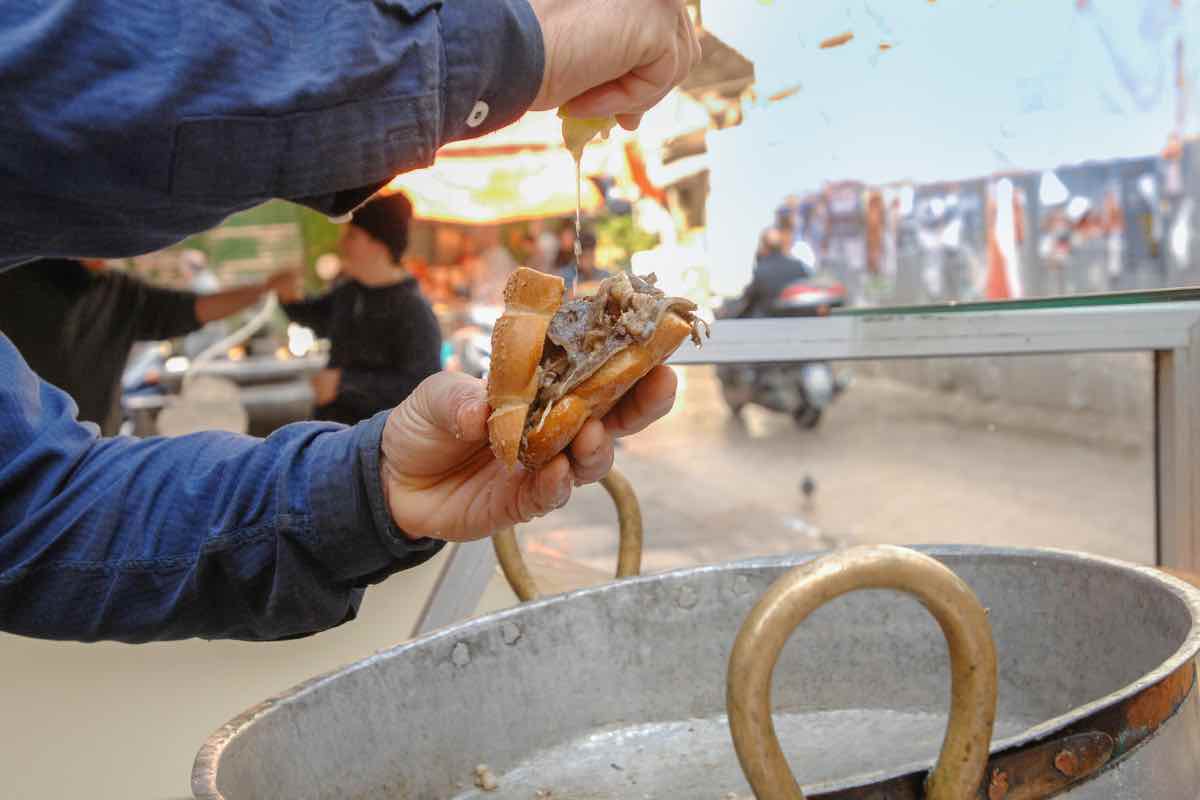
x=585 y=333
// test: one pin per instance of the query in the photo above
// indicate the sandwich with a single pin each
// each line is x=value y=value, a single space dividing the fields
x=557 y=364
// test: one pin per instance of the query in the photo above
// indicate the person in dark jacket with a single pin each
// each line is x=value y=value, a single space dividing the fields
x=384 y=336
x=76 y=322
x=773 y=270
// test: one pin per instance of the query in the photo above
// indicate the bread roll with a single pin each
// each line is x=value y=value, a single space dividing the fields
x=599 y=347
x=530 y=300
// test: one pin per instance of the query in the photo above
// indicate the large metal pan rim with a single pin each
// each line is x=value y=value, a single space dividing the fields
x=204 y=777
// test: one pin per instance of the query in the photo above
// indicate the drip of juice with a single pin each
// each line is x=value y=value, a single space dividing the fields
x=578 y=208
x=577 y=132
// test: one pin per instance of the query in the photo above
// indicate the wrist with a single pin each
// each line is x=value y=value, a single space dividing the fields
x=352 y=528
x=387 y=480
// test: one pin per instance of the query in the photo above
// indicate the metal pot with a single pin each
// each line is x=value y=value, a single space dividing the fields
x=620 y=692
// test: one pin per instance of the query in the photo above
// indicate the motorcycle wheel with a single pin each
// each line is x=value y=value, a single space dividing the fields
x=735 y=395
x=806 y=417
x=735 y=408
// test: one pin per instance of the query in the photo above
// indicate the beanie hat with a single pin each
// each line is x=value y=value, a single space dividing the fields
x=386 y=220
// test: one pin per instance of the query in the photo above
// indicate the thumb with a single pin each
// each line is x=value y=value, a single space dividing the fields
x=452 y=403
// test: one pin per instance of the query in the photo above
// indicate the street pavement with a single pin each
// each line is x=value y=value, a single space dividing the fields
x=889 y=464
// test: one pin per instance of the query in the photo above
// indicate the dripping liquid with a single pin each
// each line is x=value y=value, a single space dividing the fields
x=578 y=208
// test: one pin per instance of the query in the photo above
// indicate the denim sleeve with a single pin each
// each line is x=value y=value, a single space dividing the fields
x=129 y=124
x=211 y=535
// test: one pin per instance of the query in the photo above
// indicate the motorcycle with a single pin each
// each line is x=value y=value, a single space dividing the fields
x=802 y=390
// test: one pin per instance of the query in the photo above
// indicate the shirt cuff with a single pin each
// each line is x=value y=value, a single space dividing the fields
x=483 y=87
x=356 y=537
x=495 y=59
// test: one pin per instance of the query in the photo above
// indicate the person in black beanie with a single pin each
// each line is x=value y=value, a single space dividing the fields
x=384 y=336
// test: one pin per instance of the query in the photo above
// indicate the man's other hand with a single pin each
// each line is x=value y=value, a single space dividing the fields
x=286 y=285
x=617 y=58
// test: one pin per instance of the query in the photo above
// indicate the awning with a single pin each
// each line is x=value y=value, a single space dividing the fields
x=519 y=172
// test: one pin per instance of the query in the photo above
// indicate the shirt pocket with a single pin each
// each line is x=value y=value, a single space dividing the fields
x=302 y=154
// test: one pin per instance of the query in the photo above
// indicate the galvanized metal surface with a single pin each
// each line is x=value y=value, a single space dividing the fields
x=633 y=674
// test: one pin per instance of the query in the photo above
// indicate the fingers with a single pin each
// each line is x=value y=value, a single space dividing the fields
x=629 y=122
x=540 y=492
x=453 y=403
x=620 y=62
x=649 y=400
x=633 y=93
x=591 y=453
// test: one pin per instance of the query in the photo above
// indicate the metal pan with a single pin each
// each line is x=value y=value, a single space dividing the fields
x=621 y=692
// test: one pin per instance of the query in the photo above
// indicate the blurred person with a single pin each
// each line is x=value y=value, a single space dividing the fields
x=522 y=244
x=384 y=337
x=589 y=273
x=564 y=257
x=496 y=263
x=773 y=270
x=589 y=270
x=546 y=246
x=75 y=322
x=222 y=536
x=785 y=225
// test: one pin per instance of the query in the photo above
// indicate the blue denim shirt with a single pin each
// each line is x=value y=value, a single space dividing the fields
x=128 y=125
x=211 y=535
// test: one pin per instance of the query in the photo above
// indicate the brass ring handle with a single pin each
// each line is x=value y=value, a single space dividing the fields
x=960 y=766
x=629 y=556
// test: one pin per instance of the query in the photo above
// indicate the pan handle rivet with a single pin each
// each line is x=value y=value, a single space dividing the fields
x=1067 y=763
x=998 y=786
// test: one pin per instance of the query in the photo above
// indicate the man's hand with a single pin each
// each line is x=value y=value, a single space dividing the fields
x=441 y=479
x=325 y=385
x=614 y=58
x=286 y=285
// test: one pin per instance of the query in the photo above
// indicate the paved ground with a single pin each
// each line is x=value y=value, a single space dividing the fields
x=890 y=463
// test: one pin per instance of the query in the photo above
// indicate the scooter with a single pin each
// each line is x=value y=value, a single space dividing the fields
x=802 y=390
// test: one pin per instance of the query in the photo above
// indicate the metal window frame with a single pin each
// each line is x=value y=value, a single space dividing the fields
x=1171 y=331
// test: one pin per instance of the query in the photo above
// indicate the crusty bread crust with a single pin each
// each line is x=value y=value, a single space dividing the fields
x=596 y=396
x=530 y=300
